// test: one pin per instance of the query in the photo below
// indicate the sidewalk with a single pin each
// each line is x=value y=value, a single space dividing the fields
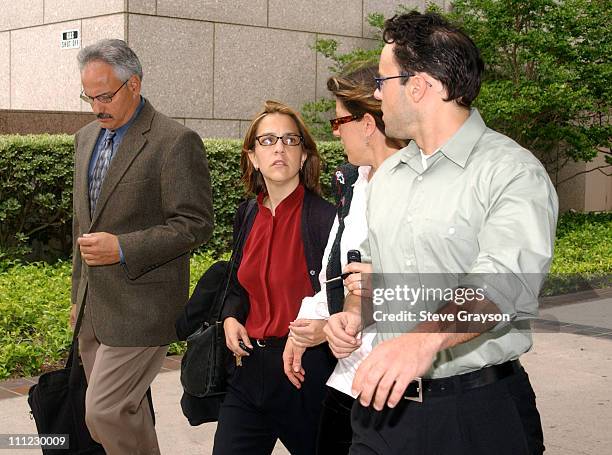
x=570 y=367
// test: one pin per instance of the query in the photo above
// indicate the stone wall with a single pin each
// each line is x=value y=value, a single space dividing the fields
x=208 y=63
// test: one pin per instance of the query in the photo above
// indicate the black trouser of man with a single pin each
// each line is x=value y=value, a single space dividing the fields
x=500 y=418
x=262 y=406
x=335 y=432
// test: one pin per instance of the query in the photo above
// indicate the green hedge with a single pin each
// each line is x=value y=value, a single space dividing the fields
x=583 y=254
x=36 y=192
x=34 y=312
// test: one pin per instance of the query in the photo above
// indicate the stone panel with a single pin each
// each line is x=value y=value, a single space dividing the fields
x=18 y=14
x=323 y=63
x=215 y=128
x=44 y=76
x=244 y=126
x=142 y=6
x=63 y=10
x=571 y=192
x=250 y=12
x=5 y=72
x=177 y=63
x=97 y=28
x=598 y=191
x=340 y=17
x=254 y=64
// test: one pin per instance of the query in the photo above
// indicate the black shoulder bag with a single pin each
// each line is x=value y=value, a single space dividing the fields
x=58 y=403
x=203 y=367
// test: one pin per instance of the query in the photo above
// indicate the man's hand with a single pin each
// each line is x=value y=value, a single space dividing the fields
x=73 y=316
x=341 y=332
x=99 y=248
x=292 y=363
x=386 y=372
x=307 y=332
x=359 y=282
x=235 y=332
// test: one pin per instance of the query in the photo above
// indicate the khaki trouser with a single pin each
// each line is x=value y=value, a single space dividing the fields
x=117 y=410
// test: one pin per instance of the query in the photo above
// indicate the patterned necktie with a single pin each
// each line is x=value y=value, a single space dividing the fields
x=100 y=169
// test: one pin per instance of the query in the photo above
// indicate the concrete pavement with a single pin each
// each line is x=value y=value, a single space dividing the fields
x=570 y=372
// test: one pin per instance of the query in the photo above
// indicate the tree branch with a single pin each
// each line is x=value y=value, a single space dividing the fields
x=599 y=168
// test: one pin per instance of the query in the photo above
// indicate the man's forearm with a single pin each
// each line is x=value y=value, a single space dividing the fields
x=451 y=331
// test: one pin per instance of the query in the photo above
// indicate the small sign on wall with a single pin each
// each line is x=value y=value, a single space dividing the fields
x=71 y=39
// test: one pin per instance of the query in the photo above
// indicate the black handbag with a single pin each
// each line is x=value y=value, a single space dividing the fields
x=58 y=404
x=204 y=364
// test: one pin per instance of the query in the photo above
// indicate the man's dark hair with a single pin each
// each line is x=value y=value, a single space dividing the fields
x=428 y=43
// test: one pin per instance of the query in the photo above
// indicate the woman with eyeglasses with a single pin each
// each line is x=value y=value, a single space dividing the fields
x=279 y=264
x=360 y=127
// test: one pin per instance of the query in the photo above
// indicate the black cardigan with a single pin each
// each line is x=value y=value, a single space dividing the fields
x=317 y=219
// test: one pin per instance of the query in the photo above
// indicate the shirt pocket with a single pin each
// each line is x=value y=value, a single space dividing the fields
x=444 y=246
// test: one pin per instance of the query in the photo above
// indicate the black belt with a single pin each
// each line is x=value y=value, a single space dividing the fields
x=416 y=390
x=270 y=342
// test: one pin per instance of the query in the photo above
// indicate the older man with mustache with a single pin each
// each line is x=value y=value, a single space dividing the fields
x=142 y=202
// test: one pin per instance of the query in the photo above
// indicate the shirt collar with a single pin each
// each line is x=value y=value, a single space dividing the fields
x=290 y=202
x=457 y=149
x=460 y=145
x=364 y=172
x=120 y=132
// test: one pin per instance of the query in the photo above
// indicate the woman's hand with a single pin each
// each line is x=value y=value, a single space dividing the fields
x=359 y=281
x=306 y=333
x=234 y=334
x=292 y=363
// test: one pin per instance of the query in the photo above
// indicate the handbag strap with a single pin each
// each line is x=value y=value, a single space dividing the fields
x=237 y=246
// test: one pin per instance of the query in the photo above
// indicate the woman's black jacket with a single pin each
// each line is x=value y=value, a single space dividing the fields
x=317 y=219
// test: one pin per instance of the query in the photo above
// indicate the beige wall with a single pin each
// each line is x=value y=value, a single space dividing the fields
x=5 y=69
x=571 y=186
x=598 y=191
x=43 y=75
x=208 y=63
x=582 y=187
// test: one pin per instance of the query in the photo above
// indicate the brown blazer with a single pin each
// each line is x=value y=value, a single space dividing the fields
x=156 y=198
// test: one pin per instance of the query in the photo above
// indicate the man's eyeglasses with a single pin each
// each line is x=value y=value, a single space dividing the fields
x=379 y=80
x=287 y=139
x=104 y=98
x=336 y=122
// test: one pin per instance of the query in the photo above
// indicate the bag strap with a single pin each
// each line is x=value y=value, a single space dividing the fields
x=237 y=246
x=75 y=340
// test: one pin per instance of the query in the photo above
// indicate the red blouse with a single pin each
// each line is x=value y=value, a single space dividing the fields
x=273 y=269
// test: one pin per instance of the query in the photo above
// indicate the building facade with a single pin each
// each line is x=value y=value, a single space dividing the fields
x=209 y=64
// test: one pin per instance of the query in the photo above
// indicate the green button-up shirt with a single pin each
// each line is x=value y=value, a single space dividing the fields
x=484 y=205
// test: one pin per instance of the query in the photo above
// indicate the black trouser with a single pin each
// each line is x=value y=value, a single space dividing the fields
x=262 y=406
x=335 y=432
x=500 y=418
